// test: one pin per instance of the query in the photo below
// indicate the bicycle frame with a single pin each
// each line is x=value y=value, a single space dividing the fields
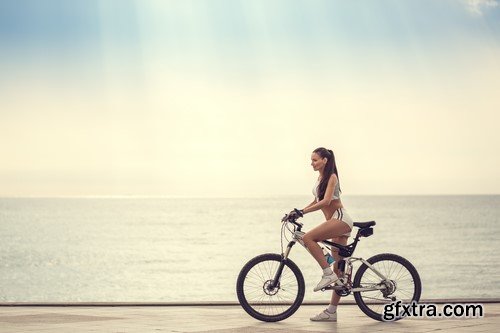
x=345 y=251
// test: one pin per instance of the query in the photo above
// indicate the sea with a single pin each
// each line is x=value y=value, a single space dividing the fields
x=140 y=249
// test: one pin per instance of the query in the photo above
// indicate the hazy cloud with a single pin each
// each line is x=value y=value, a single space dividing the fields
x=478 y=6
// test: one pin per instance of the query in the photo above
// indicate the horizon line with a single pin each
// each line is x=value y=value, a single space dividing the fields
x=120 y=196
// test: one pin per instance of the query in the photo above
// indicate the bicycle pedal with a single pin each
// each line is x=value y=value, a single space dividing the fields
x=333 y=287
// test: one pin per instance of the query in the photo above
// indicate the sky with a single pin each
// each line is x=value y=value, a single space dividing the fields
x=228 y=98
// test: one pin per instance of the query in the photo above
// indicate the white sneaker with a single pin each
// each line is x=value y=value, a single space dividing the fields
x=325 y=316
x=327 y=280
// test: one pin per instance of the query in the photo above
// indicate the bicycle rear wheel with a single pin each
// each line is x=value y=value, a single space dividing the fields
x=402 y=284
x=266 y=304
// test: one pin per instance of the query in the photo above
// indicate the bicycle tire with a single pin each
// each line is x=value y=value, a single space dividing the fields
x=383 y=260
x=246 y=281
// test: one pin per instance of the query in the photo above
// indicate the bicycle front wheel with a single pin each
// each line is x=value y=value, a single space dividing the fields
x=265 y=303
x=402 y=284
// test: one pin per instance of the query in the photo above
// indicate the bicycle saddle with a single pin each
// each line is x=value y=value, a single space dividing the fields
x=363 y=225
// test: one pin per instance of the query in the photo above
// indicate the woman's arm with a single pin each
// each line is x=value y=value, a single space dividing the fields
x=326 y=199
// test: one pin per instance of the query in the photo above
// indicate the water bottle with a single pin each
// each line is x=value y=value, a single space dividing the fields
x=329 y=259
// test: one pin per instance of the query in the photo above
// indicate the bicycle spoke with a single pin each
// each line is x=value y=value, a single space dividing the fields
x=397 y=274
x=274 y=302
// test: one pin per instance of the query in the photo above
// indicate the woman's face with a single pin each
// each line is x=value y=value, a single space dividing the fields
x=317 y=162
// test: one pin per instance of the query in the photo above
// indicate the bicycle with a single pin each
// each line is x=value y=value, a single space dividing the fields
x=270 y=287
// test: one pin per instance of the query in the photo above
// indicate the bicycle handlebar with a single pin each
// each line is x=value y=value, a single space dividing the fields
x=292 y=220
x=290 y=217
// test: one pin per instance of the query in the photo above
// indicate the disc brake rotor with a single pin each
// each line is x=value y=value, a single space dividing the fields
x=268 y=290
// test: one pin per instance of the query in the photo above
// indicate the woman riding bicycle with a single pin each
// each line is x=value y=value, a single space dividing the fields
x=337 y=227
x=270 y=287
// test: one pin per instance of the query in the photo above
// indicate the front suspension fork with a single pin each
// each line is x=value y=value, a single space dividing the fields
x=284 y=258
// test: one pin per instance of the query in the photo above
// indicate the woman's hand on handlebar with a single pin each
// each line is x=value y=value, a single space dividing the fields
x=293 y=215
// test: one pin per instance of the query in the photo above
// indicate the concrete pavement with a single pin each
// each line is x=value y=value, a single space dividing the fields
x=220 y=319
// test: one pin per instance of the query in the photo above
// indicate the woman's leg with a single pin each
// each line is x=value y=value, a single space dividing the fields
x=330 y=313
x=329 y=229
x=342 y=240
